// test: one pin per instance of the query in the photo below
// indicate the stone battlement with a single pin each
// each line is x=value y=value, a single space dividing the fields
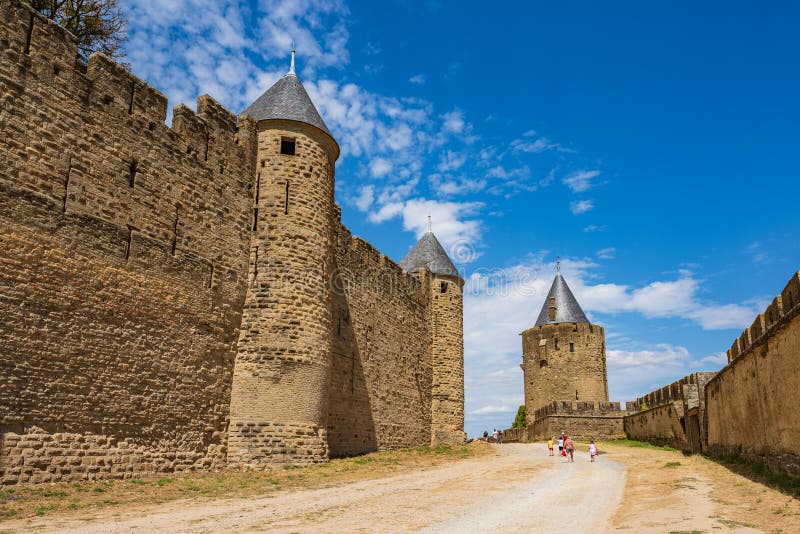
x=578 y=408
x=674 y=392
x=783 y=308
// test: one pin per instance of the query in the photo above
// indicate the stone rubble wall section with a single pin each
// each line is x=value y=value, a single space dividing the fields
x=121 y=265
x=552 y=372
x=379 y=393
x=751 y=407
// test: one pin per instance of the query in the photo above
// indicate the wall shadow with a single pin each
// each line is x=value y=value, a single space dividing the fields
x=349 y=421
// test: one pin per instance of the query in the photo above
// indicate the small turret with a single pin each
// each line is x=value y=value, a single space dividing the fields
x=447 y=337
x=282 y=365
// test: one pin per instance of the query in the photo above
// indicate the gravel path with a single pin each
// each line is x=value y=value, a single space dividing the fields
x=518 y=489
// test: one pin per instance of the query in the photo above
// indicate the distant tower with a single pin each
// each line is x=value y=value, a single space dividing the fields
x=563 y=355
x=447 y=337
x=281 y=371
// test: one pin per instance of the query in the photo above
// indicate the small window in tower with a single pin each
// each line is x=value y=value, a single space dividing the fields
x=556 y=343
x=443 y=287
x=542 y=363
x=287 y=146
x=572 y=347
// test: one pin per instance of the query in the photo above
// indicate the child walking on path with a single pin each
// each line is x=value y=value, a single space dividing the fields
x=550 y=445
x=592 y=450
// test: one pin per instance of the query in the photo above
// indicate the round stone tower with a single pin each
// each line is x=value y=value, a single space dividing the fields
x=279 y=382
x=563 y=355
x=447 y=337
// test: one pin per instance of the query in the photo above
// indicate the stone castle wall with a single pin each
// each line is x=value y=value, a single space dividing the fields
x=379 y=395
x=565 y=361
x=751 y=403
x=130 y=256
x=672 y=415
x=580 y=420
x=122 y=261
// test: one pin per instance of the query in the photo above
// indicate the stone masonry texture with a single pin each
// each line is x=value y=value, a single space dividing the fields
x=751 y=407
x=186 y=297
x=563 y=361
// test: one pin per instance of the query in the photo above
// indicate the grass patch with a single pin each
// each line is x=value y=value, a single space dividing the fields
x=759 y=472
x=672 y=464
x=730 y=523
x=41 y=510
x=164 y=481
x=686 y=531
x=641 y=445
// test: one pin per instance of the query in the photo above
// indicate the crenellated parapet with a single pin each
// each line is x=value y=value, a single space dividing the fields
x=782 y=309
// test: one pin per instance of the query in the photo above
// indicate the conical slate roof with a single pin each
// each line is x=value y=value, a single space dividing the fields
x=429 y=254
x=567 y=308
x=288 y=100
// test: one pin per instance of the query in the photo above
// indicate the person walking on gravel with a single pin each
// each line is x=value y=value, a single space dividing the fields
x=569 y=446
x=592 y=450
x=561 y=445
x=550 y=445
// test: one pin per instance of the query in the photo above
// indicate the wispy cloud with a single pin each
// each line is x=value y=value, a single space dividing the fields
x=581 y=206
x=417 y=79
x=606 y=253
x=580 y=181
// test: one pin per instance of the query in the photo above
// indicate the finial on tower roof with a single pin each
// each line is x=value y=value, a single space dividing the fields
x=558 y=264
x=430 y=228
x=291 y=68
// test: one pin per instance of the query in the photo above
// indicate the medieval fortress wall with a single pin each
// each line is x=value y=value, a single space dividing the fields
x=747 y=408
x=186 y=297
x=752 y=402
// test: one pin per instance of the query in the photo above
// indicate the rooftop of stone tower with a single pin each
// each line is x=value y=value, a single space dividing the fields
x=287 y=99
x=429 y=254
x=567 y=308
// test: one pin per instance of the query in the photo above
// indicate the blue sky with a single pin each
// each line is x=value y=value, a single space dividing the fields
x=652 y=147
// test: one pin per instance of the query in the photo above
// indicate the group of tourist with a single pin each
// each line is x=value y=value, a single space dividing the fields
x=496 y=434
x=566 y=448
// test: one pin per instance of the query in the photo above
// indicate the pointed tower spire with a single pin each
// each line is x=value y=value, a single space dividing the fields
x=429 y=254
x=560 y=306
x=291 y=67
x=430 y=227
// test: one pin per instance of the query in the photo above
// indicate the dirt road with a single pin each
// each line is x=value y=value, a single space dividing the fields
x=515 y=488
x=519 y=488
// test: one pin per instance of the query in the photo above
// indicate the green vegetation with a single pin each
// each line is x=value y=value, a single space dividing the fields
x=672 y=464
x=759 y=472
x=41 y=510
x=519 y=420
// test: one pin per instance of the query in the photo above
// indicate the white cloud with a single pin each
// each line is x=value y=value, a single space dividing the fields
x=581 y=206
x=594 y=228
x=379 y=167
x=365 y=198
x=662 y=354
x=450 y=160
x=580 y=181
x=606 y=253
x=417 y=79
x=536 y=146
x=453 y=122
x=452 y=223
